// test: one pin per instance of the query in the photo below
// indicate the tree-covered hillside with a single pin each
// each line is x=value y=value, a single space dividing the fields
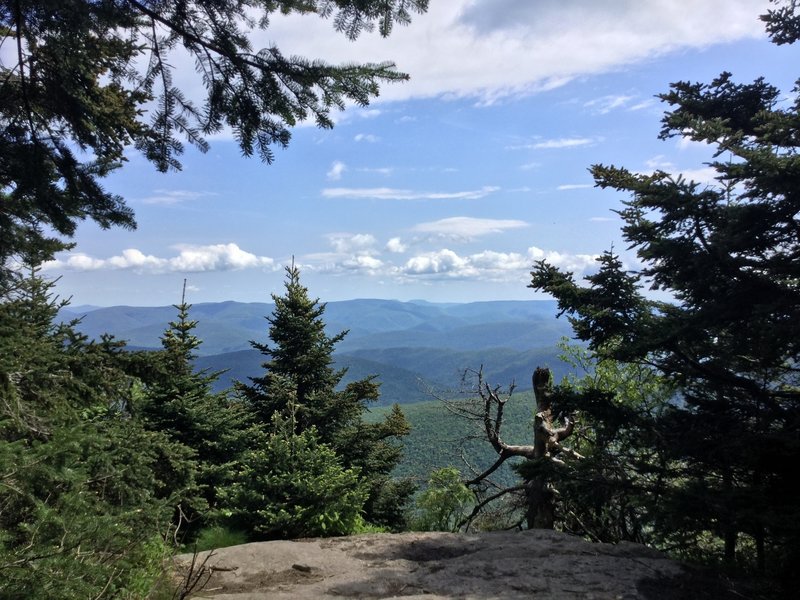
x=438 y=438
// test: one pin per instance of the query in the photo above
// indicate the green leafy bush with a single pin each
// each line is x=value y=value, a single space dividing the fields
x=445 y=501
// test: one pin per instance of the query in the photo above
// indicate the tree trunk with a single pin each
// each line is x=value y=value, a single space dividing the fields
x=541 y=505
x=540 y=496
x=729 y=532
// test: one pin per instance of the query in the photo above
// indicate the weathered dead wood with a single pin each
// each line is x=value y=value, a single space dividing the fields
x=547 y=444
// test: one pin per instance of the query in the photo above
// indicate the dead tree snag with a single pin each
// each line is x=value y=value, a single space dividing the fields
x=546 y=449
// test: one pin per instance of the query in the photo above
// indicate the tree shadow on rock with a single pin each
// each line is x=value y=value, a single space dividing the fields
x=702 y=584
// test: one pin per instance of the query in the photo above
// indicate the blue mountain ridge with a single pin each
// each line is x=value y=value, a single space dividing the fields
x=412 y=347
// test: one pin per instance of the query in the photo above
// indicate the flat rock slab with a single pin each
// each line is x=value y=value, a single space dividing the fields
x=531 y=564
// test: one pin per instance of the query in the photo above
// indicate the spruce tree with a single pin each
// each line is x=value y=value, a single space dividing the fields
x=179 y=401
x=81 y=515
x=291 y=485
x=728 y=255
x=301 y=383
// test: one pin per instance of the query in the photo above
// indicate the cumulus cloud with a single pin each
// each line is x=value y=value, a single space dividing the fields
x=336 y=170
x=360 y=255
x=350 y=253
x=385 y=193
x=215 y=257
x=468 y=228
x=570 y=262
x=396 y=246
x=442 y=262
x=489 y=265
x=366 y=137
x=362 y=262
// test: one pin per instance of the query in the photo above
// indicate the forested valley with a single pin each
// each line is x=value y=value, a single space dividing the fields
x=674 y=421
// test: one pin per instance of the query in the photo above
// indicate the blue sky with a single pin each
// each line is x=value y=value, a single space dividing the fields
x=447 y=187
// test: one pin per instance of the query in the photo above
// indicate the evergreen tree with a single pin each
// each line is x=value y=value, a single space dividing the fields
x=301 y=384
x=291 y=485
x=728 y=254
x=81 y=515
x=179 y=401
x=97 y=76
x=614 y=492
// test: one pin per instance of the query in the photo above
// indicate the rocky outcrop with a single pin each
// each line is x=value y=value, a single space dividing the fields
x=532 y=564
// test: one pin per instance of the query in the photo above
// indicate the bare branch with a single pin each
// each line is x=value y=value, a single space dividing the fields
x=467 y=521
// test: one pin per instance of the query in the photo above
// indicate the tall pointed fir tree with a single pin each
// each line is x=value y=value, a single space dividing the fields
x=728 y=255
x=179 y=401
x=301 y=383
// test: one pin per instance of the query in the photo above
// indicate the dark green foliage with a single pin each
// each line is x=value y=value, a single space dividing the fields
x=299 y=375
x=178 y=401
x=300 y=384
x=729 y=255
x=615 y=491
x=783 y=22
x=87 y=80
x=290 y=485
x=82 y=504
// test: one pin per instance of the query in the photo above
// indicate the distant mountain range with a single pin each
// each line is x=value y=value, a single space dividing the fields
x=412 y=347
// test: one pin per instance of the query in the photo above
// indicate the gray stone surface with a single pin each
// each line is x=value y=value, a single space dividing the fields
x=530 y=564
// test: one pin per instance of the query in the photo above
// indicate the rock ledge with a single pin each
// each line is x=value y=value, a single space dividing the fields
x=530 y=564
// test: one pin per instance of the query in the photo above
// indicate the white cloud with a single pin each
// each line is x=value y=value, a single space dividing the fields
x=379 y=170
x=216 y=257
x=703 y=175
x=685 y=143
x=644 y=104
x=352 y=253
x=467 y=227
x=359 y=255
x=396 y=246
x=366 y=137
x=570 y=262
x=574 y=186
x=336 y=170
x=530 y=166
x=489 y=265
x=442 y=262
x=174 y=196
x=515 y=47
x=352 y=242
x=555 y=144
x=606 y=104
x=385 y=193
x=362 y=262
